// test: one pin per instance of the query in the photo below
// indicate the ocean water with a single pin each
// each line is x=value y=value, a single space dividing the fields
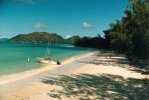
x=13 y=56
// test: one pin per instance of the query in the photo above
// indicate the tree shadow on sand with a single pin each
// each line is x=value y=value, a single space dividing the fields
x=98 y=87
x=116 y=59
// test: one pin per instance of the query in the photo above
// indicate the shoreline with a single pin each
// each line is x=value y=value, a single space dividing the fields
x=90 y=72
x=4 y=79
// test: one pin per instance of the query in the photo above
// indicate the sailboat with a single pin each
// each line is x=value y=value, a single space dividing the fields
x=42 y=60
x=48 y=59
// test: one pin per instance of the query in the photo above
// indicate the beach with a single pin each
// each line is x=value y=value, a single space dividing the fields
x=91 y=76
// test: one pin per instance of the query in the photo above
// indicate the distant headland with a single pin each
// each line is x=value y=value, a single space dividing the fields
x=42 y=37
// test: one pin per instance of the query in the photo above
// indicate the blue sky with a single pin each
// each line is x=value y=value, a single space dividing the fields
x=64 y=17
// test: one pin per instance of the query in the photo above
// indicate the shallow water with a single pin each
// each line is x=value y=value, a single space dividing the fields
x=13 y=56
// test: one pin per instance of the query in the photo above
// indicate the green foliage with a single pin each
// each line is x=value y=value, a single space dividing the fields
x=72 y=39
x=131 y=34
x=41 y=37
x=118 y=41
x=44 y=37
x=92 y=42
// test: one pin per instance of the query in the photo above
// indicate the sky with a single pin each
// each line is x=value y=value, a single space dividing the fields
x=64 y=17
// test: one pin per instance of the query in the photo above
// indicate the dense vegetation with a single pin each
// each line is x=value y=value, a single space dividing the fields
x=41 y=37
x=44 y=37
x=93 y=42
x=72 y=39
x=130 y=35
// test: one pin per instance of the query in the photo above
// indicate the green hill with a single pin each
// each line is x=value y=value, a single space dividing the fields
x=72 y=39
x=38 y=37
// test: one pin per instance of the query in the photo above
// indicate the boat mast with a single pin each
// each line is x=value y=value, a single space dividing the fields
x=48 y=50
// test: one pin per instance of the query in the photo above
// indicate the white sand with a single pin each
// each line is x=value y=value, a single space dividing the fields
x=125 y=72
x=28 y=86
x=18 y=76
x=113 y=70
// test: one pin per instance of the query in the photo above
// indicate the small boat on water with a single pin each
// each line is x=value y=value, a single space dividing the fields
x=42 y=60
x=48 y=58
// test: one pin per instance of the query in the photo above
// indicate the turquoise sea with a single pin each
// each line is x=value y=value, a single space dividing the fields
x=13 y=56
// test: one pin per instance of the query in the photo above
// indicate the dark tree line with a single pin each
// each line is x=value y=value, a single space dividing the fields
x=92 y=42
x=130 y=35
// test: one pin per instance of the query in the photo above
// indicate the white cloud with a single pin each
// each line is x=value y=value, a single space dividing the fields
x=40 y=26
x=87 y=25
